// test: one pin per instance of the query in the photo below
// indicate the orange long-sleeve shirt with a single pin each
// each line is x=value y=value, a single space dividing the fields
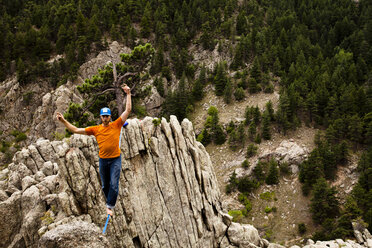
x=107 y=138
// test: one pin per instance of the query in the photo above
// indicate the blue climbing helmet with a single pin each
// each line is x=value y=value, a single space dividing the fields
x=105 y=111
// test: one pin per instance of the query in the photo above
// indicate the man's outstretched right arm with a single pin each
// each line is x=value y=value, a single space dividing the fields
x=69 y=126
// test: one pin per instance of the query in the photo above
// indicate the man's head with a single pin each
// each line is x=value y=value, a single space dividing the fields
x=105 y=114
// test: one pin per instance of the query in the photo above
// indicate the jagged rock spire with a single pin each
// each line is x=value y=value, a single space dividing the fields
x=168 y=197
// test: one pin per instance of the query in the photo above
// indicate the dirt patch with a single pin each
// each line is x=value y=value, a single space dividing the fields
x=228 y=112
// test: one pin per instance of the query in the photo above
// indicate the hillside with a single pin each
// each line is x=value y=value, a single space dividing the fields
x=278 y=92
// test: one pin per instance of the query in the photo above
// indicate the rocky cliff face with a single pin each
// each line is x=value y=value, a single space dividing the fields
x=51 y=194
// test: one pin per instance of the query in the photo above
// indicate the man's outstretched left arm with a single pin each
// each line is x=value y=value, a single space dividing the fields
x=128 y=107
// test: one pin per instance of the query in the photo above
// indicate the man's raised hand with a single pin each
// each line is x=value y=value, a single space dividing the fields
x=60 y=117
x=126 y=88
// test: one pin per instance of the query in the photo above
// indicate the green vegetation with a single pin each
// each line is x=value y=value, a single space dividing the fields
x=58 y=136
x=267 y=196
x=273 y=174
x=19 y=136
x=284 y=168
x=244 y=184
x=245 y=164
x=212 y=131
x=251 y=150
x=302 y=228
x=268 y=210
x=156 y=122
x=268 y=234
x=236 y=214
x=246 y=202
x=47 y=218
x=319 y=54
x=237 y=137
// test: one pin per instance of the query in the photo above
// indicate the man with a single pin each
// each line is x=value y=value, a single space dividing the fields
x=107 y=135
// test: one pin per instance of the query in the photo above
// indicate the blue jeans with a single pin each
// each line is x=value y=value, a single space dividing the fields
x=109 y=169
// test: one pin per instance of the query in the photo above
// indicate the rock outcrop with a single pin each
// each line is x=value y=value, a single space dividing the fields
x=169 y=197
x=289 y=152
x=44 y=124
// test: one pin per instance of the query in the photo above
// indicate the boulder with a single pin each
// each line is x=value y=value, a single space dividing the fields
x=74 y=234
x=289 y=152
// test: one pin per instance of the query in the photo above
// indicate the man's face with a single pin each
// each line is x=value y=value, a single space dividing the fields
x=105 y=119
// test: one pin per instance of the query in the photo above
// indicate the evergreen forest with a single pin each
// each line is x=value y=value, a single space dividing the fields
x=319 y=52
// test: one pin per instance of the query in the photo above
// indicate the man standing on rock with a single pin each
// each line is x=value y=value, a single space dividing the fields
x=107 y=135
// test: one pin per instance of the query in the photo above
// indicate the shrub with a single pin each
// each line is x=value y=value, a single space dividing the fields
x=257 y=140
x=268 y=210
x=244 y=212
x=139 y=110
x=58 y=136
x=239 y=94
x=248 y=206
x=212 y=111
x=268 y=234
x=251 y=150
x=156 y=122
x=302 y=228
x=4 y=146
x=242 y=84
x=269 y=88
x=204 y=137
x=233 y=182
x=27 y=97
x=258 y=172
x=20 y=137
x=245 y=184
x=236 y=214
x=267 y=196
x=230 y=127
x=284 y=168
x=245 y=164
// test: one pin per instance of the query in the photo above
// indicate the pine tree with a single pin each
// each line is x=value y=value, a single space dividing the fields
x=204 y=137
x=220 y=80
x=256 y=71
x=80 y=24
x=146 y=21
x=355 y=129
x=252 y=130
x=241 y=134
x=233 y=140
x=273 y=174
x=62 y=39
x=227 y=92
x=239 y=94
x=253 y=86
x=206 y=38
x=256 y=115
x=277 y=67
x=258 y=172
x=219 y=135
x=266 y=133
x=197 y=90
x=21 y=71
x=270 y=110
x=324 y=203
x=241 y=23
